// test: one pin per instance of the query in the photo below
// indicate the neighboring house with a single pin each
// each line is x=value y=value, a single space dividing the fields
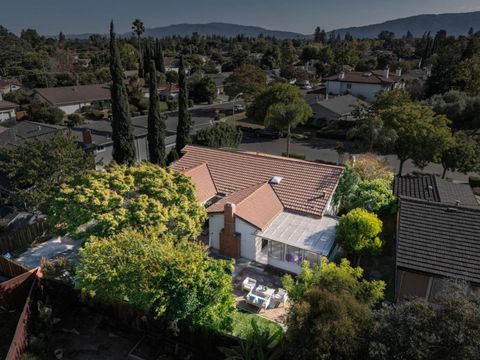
x=364 y=84
x=438 y=235
x=270 y=209
x=168 y=92
x=13 y=136
x=96 y=137
x=219 y=81
x=7 y=85
x=71 y=99
x=7 y=110
x=335 y=108
x=171 y=64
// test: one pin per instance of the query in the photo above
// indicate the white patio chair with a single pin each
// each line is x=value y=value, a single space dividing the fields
x=281 y=296
x=248 y=284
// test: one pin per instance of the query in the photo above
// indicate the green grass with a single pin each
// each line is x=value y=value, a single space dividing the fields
x=242 y=323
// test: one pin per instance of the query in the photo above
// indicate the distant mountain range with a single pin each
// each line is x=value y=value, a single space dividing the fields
x=454 y=24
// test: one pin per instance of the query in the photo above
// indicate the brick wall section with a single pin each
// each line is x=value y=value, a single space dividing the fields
x=229 y=239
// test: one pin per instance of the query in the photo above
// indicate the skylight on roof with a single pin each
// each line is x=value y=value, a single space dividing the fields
x=276 y=180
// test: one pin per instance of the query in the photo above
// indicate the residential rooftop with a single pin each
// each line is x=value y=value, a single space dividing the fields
x=433 y=188
x=439 y=239
x=69 y=95
x=305 y=187
x=367 y=77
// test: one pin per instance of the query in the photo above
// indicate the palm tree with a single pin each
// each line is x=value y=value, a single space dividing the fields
x=138 y=28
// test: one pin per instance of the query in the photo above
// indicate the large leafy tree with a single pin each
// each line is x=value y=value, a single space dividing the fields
x=204 y=89
x=249 y=80
x=156 y=122
x=372 y=195
x=358 y=232
x=469 y=75
x=37 y=168
x=278 y=93
x=330 y=311
x=421 y=135
x=448 y=329
x=184 y=119
x=142 y=196
x=462 y=155
x=218 y=136
x=122 y=133
x=177 y=282
x=287 y=116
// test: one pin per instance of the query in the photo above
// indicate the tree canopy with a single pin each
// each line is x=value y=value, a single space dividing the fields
x=421 y=135
x=279 y=93
x=37 y=168
x=142 y=196
x=330 y=311
x=287 y=116
x=219 y=135
x=358 y=232
x=177 y=282
x=447 y=329
x=247 y=79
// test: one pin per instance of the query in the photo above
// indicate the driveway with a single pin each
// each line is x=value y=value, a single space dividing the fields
x=324 y=150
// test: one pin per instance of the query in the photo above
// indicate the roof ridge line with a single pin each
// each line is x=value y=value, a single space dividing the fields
x=264 y=155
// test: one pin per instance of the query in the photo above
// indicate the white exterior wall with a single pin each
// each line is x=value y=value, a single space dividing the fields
x=7 y=114
x=70 y=109
x=284 y=265
x=366 y=91
x=215 y=224
x=248 y=245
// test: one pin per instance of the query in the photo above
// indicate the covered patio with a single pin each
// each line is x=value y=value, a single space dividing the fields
x=291 y=238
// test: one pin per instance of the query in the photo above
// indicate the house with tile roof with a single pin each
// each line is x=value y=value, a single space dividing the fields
x=364 y=85
x=270 y=209
x=438 y=235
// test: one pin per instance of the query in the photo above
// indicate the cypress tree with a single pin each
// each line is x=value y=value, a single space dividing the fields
x=159 y=59
x=184 y=121
x=156 y=122
x=122 y=134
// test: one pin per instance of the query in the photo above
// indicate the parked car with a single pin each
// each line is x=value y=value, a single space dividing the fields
x=270 y=133
x=238 y=108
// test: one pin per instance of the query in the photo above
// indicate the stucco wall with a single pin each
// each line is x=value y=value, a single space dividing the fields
x=70 y=109
x=7 y=114
x=366 y=91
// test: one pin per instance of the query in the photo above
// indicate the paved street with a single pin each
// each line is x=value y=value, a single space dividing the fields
x=323 y=149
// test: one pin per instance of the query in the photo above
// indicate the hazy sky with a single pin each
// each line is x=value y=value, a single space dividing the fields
x=85 y=16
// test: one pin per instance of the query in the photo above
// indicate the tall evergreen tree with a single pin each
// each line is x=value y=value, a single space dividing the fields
x=156 y=122
x=184 y=120
x=122 y=133
x=159 y=59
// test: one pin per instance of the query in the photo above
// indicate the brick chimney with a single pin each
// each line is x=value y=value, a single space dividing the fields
x=87 y=136
x=229 y=239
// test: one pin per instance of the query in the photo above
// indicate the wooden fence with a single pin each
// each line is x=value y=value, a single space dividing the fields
x=16 y=240
x=21 y=338
x=11 y=268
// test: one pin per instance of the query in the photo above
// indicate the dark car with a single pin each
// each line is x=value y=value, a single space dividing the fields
x=270 y=133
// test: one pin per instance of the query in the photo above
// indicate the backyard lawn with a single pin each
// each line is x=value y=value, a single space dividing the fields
x=242 y=323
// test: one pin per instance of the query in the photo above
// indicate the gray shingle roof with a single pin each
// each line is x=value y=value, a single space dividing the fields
x=432 y=188
x=340 y=105
x=439 y=239
x=67 y=95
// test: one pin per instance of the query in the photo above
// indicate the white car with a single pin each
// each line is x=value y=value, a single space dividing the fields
x=238 y=107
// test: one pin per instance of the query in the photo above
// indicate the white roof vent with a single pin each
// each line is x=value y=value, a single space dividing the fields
x=275 y=180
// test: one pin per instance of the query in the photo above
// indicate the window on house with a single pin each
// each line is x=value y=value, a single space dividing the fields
x=100 y=149
x=276 y=250
x=349 y=86
x=294 y=255
x=312 y=257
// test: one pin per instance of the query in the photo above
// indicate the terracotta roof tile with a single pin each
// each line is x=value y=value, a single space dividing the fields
x=203 y=181
x=258 y=205
x=306 y=187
